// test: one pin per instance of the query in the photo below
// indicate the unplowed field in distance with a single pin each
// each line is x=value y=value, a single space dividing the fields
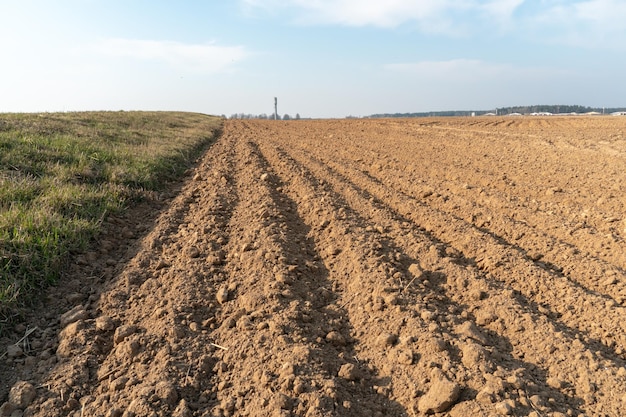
x=470 y=267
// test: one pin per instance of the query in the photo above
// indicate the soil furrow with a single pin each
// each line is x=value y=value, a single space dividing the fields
x=433 y=314
x=560 y=238
x=505 y=262
x=460 y=266
x=278 y=310
x=550 y=251
x=497 y=191
x=498 y=184
x=466 y=285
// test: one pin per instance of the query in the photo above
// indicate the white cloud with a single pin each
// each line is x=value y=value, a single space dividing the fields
x=609 y=13
x=587 y=23
x=435 y=16
x=201 y=58
x=389 y=13
x=501 y=10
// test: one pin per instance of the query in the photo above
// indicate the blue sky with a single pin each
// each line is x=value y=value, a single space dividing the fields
x=321 y=58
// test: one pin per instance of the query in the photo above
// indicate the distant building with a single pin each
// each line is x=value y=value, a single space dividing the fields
x=619 y=113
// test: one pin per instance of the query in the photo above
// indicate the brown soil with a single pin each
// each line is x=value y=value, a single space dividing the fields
x=353 y=268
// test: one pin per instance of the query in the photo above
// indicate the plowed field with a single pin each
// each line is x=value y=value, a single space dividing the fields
x=466 y=267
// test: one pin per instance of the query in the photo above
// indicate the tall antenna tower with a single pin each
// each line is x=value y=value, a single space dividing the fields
x=275 y=108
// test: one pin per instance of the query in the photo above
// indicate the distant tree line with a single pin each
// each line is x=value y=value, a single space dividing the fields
x=424 y=114
x=263 y=116
x=542 y=108
x=556 y=109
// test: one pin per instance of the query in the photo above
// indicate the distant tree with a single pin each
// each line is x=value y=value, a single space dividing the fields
x=297 y=116
x=286 y=117
x=263 y=116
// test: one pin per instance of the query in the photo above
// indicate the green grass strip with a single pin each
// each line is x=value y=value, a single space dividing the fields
x=62 y=173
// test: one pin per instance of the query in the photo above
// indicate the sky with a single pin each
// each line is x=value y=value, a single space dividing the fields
x=320 y=58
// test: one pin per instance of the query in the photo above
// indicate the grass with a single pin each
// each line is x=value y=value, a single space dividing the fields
x=61 y=174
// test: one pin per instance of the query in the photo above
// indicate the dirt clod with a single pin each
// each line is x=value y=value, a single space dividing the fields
x=504 y=408
x=104 y=324
x=167 y=392
x=416 y=270
x=14 y=351
x=122 y=332
x=75 y=314
x=387 y=339
x=7 y=409
x=336 y=338
x=22 y=394
x=441 y=395
x=222 y=295
x=349 y=371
